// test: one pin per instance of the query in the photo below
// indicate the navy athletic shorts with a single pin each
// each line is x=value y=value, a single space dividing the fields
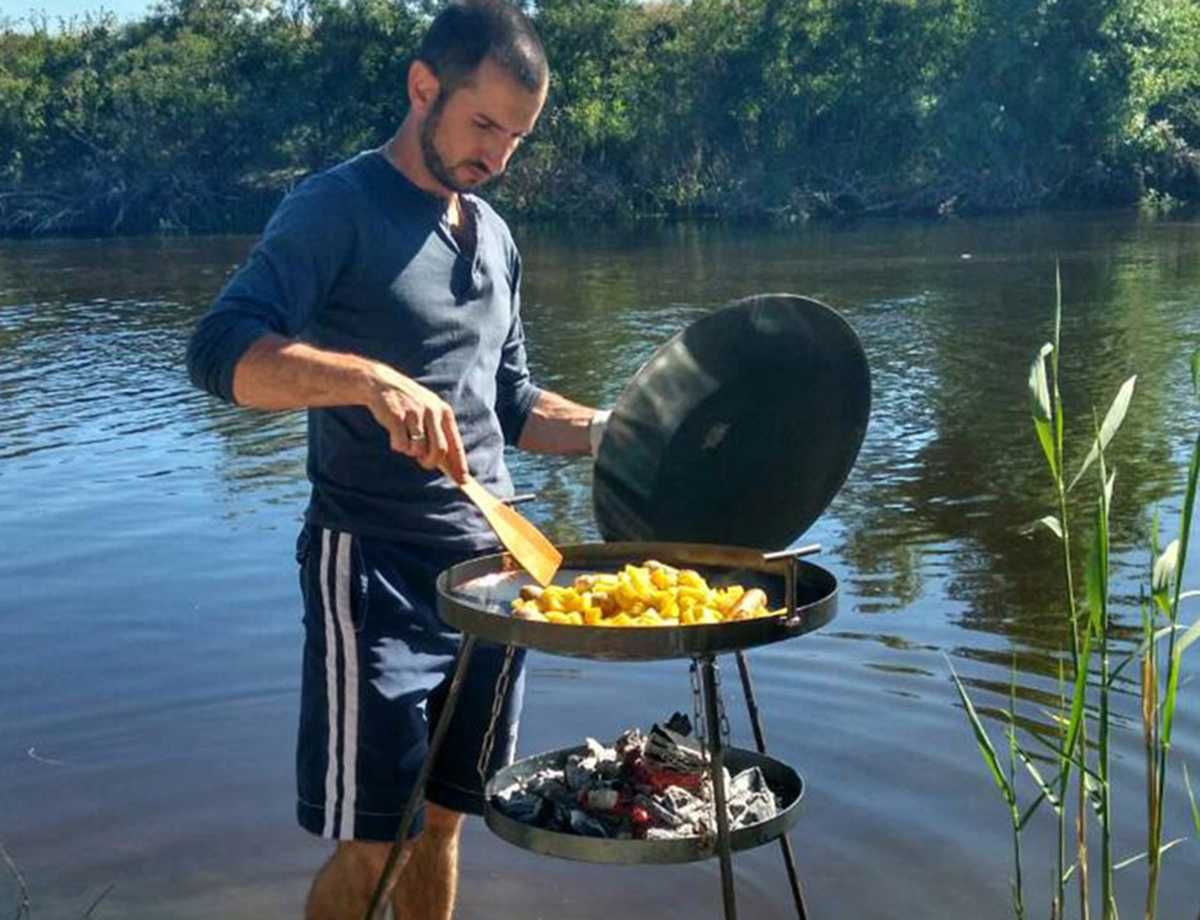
x=377 y=666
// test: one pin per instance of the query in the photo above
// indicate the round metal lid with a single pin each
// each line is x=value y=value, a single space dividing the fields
x=739 y=430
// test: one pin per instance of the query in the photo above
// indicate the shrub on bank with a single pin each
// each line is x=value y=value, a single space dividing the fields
x=200 y=115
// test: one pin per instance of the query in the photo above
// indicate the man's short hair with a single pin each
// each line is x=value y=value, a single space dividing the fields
x=467 y=31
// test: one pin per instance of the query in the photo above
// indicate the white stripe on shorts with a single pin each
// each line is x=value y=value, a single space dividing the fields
x=331 y=761
x=350 y=657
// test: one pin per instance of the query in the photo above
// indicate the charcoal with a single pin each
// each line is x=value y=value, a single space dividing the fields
x=527 y=807
x=668 y=833
x=585 y=825
x=599 y=752
x=599 y=790
x=582 y=770
x=748 y=782
x=680 y=724
x=674 y=750
x=602 y=799
x=630 y=741
x=750 y=799
x=662 y=812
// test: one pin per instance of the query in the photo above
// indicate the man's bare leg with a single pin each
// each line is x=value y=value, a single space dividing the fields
x=342 y=889
x=429 y=882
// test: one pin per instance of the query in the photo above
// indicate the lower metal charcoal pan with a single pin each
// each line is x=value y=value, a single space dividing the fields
x=474 y=596
x=785 y=782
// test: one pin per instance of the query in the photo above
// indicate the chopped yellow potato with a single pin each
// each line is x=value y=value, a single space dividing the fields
x=652 y=594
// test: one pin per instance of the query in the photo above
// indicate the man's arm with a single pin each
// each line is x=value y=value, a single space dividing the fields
x=246 y=348
x=556 y=425
x=280 y=373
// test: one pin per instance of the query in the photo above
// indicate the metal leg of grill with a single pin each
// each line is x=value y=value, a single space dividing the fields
x=789 y=859
x=418 y=793
x=716 y=760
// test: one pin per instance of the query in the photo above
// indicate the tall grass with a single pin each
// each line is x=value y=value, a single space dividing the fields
x=1090 y=669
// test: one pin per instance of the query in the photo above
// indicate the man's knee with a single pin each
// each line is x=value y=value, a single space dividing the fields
x=442 y=821
x=362 y=859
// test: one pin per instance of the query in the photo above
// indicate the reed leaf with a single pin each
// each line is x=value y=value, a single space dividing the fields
x=1045 y=439
x=986 y=749
x=96 y=903
x=1166 y=631
x=1018 y=892
x=1058 y=304
x=1112 y=421
x=1095 y=788
x=1057 y=397
x=1189 y=636
x=1039 y=396
x=1037 y=778
x=1030 y=811
x=1189 y=505
x=1050 y=522
x=1039 y=384
x=1162 y=579
x=1057 y=752
x=1192 y=634
x=1096 y=574
x=1187 y=784
x=1124 y=663
x=1078 y=693
x=1129 y=861
x=1196 y=372
x=1149 y=714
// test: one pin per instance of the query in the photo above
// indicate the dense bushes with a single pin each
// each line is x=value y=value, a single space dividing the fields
x=200 y=114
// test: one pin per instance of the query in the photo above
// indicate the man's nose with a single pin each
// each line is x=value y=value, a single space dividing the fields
x=497 y=154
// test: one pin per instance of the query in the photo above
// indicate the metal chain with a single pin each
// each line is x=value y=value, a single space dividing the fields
x=489 y=736
x=722 y=719
x=698 y=709
x=702 y=740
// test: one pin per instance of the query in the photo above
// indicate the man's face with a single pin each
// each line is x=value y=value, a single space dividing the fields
x=468 y=136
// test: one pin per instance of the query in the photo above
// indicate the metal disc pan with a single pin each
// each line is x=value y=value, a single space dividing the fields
x=782 y=779
x=475 y=597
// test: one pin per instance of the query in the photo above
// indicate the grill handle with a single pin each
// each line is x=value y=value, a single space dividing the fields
x=793 y=557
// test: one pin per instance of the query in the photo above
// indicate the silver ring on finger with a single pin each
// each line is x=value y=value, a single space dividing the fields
x=416 y=436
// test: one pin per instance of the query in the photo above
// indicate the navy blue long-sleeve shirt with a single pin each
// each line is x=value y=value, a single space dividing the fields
x=358 y=259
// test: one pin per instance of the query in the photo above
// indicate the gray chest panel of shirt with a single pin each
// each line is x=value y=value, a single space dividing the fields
x=439 y=312
x=422 y=306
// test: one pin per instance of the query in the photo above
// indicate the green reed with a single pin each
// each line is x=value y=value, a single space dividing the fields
x=1089 y=669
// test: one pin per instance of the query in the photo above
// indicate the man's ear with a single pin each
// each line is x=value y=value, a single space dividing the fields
x=422 y=86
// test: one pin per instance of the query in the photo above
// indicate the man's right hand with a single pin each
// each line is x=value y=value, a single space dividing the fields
x=418 y=422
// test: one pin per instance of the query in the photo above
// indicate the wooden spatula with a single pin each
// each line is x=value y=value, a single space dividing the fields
x=526 y=543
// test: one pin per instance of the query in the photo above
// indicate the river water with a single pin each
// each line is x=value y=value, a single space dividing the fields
x=149 y=619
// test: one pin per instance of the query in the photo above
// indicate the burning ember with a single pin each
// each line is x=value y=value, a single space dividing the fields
x=645 y=787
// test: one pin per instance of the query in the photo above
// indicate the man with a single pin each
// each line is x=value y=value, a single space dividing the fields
x=383 y=297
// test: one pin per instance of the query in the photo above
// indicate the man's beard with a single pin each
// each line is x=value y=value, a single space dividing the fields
x=433 y=160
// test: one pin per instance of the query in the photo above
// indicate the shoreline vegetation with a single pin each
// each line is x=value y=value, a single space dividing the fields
x=202 y=114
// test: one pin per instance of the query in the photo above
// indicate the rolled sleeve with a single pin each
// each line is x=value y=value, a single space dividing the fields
x=216 y=347
x=290 y=272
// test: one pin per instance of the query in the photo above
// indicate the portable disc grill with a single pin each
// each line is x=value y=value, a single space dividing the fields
x=733 y=437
